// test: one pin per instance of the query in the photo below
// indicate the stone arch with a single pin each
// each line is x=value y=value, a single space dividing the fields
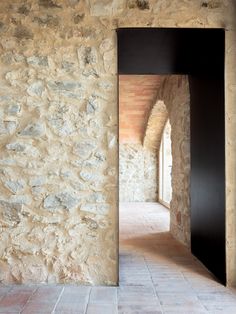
x=173 y=102
x=155 y=126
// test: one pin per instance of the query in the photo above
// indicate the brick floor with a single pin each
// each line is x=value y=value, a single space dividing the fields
x=157 y=276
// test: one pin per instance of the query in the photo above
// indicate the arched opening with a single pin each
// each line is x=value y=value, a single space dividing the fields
x=165 y=167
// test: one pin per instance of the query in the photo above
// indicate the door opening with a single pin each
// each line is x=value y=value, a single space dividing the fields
x=165 y=167
x=199 y=54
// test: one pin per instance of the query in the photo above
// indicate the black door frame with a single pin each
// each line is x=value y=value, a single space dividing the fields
x=200 y=54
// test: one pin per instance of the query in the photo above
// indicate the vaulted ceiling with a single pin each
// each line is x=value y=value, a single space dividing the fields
x=137 y=96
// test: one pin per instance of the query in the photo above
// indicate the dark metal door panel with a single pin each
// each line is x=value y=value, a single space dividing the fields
x=208 y=173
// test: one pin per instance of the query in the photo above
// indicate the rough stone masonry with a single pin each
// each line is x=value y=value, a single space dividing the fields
x=58 y=131
x=137 y=173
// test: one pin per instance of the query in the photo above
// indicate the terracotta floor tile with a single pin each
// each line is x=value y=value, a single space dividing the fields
x=187 y=307
x=173 y=286
x=69 y=311
x=101 y=308
x=195 y=311
x=139 y=309
x=45 y=294
x=177 y=298
x=16 y=299
x=71 y=290
x=4 y=290
x=38 y=308
x=103 y=295
x=71 y=307
x=226 y=310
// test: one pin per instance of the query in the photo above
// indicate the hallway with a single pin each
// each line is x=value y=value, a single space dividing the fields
x=157 y=275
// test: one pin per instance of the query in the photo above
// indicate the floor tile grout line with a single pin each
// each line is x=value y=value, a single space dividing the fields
x=36 y=289
x=58 y=300
x=86 y=309
x=117 y=308
x=156 y=294
x=5 y=294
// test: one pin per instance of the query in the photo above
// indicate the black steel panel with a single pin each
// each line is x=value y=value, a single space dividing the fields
x=170 y=51
x=208 y=173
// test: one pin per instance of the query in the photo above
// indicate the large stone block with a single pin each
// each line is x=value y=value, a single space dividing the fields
x=98 y=209
x=33 y=130
x=36 y=89
x=60 y=201
x=10 y=212
x=106 y=7
x=15 y=186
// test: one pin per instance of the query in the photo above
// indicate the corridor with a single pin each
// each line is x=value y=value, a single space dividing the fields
x=157 y=275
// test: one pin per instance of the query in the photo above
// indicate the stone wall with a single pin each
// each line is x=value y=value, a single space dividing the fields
x=137 y=174
x=173 y=102
x=155 y=126
x=174 y=93
x=58 y=159
x=58 y=131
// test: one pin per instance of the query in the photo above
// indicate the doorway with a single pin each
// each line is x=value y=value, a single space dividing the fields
x=179 y=51
x=165 y=167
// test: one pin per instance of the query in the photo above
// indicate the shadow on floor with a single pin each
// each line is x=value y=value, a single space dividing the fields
x=163 y=248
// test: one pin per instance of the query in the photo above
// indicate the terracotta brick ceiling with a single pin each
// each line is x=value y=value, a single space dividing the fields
x=137 y=95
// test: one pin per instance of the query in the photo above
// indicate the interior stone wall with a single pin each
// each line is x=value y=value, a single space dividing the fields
x=58 y=93
x=137 y=173
x=174 y=94
x=155 y=126
x=58 y=158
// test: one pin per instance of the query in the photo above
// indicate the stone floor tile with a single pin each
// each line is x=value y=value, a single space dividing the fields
x=206 y=287
x=4 y=290
x=158 y=276
x=227 y=310
x=38 y=308
x=97 y=308
x=138 y=299
x=139 y=309
x=45 y=294
x=71 y=290
x=174 y=286
x=186 y=311
x=217 y=298
x=135 y=289
x=15 y=300
x=137 y=295
x=69 y=311
x=136 y=282
x=223 y=308
x=70 y=308
x=103 y=295
x=75 y=294
x=177 y=298
x=188 y=308
x=73 y=298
